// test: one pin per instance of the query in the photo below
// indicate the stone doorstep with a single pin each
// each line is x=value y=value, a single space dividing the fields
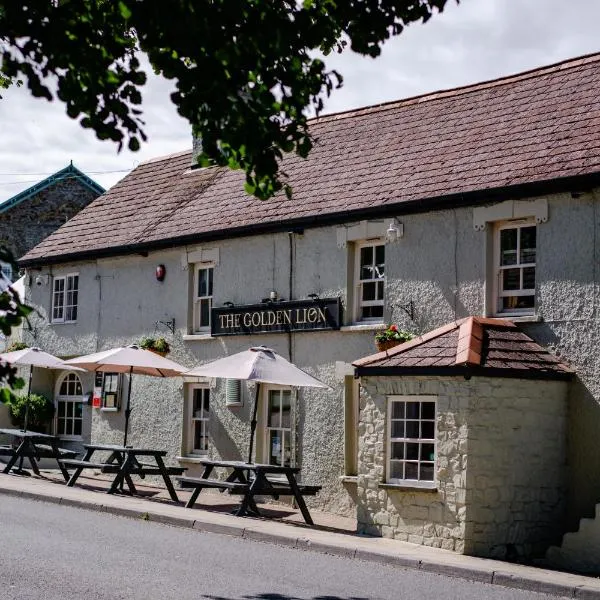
x=288 y=533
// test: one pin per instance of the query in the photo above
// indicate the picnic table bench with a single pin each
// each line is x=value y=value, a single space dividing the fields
x=123 y=462
x=250 y=480
x=33 y=446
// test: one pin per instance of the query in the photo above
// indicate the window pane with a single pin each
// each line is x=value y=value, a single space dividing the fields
x=427 y=430
x=412 y=451
x=412 y=410
x=274 y=419
x=411 y=470
x=203 y=283
x=61 y=409
x=396 y=470
x=528 y=239
x=398 y=410
x=366 y=263
x=369 y=291
x=511 y=279
x=372 y=312
x=285 y=410
x=210 y=281
x=380 y=261
x=426 y=472
x=379 y=290
x=397 y=450
x=77 y=428
x=205 y=312
x=529 y=278
x=428 y=410
x=412 y=429
x=512 y=302
x=78 y=409
x=275 y=448
x=397 y=429
x=427 y=452
x=508 y=246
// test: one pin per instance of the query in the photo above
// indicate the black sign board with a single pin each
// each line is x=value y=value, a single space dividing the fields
x=277 y=317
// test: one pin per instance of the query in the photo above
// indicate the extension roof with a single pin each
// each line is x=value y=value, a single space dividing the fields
x=532 y=133
x=471 y=346
x=69 y=172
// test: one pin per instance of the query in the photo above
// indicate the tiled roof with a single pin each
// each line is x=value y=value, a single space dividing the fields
x=69 y=172
x=474 y=345
x=458 y=146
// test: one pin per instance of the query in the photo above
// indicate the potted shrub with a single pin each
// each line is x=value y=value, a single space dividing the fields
x=16 y=346
x=41 y=412
x=391 y=336
x=156 y=345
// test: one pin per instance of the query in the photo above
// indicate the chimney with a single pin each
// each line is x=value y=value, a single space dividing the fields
x=196 y=150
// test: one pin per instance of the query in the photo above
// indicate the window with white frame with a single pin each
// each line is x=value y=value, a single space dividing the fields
x=515 y=263
x=411 y=445
x=69 y=407
x=370 y=281
x=65 y=296
x=199 y=419
x=203 y=291
x=279 y=427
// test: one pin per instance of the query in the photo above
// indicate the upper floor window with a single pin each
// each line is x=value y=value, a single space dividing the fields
x=370 y=280
x=65 y=293
x=411 y=440
x=203 y=292
x=515 y=264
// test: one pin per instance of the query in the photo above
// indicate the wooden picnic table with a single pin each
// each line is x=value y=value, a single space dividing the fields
x=33 y=446
x=123 y=462
x=250 y=480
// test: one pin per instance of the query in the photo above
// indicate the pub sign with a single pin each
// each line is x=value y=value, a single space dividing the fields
x=277 y=317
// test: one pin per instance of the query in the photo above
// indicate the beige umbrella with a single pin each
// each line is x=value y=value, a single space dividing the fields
x=34 y=357
x=132 y=360
x=262 y=365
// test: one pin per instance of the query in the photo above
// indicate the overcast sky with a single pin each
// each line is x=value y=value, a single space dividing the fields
x=471 y=42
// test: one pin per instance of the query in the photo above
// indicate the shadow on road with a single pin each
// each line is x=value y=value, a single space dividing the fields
x=273 y=596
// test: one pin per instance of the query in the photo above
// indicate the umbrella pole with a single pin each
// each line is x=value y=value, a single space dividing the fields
x=27 y=400
x=128 y=406
x=253 y=422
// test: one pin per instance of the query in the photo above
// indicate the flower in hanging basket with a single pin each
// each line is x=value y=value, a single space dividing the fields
x=156 y=345
x=391 y=336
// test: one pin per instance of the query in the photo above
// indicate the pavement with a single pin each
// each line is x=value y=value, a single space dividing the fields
x=331 y=534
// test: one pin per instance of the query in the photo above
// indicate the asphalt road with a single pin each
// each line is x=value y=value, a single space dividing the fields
x=56 y=552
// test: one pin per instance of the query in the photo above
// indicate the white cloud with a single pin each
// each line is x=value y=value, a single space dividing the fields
x=474 y=41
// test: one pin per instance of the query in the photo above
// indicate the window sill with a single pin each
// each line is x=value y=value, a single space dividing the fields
x=191 y=459
x=353 y=479
x=197 y=337
x=408 y=487
x=63 y=322
x=363 y=327
x=519 y=318
x=104 y=409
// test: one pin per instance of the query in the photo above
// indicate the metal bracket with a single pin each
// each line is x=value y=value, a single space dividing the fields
x=170 y=325
x=409 y=309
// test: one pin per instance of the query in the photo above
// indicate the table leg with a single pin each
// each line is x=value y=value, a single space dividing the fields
x=79 y=470
x=56 y=451
x=165 y=476
x=122 y=475
x=299 y=498
x=248 y=500
x=13 y=459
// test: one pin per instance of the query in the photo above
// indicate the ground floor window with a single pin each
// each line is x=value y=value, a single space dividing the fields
x=411 y=444
x=279 y=427
x=199 y=419
x=69 y=407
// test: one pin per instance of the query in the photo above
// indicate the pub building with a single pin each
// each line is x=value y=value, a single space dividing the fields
x=448 y=215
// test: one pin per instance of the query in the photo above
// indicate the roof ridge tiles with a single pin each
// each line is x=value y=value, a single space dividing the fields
x=463 y=89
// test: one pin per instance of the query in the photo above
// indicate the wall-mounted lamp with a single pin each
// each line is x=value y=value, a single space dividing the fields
x=273 y=296
x=313 y=296
x=160 y=272
x=228 y=304
x=395 y=231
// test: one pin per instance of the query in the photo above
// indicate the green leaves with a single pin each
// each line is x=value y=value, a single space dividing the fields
x=246 y=71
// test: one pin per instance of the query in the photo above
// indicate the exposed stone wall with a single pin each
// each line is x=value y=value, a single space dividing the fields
x=500 y=466
x=33 y=219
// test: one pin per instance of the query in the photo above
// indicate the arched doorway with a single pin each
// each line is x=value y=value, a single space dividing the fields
x=69 y=407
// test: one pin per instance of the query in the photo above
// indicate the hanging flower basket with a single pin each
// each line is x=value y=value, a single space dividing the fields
x=163 y=354
x=159 y=345
x=391 y=336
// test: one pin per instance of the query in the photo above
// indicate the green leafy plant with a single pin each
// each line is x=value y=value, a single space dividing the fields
x=16 y=346
x=155 y=344
x=41 y=411
x=392 y=334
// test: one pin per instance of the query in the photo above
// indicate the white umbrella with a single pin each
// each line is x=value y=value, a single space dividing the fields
x=262 y=365
x=132 y=360
x=34 y=357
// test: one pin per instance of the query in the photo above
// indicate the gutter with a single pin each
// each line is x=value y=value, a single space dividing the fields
x=577 y=183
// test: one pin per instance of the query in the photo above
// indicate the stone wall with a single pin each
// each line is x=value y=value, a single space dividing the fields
x=500 y=468
x=29 y=222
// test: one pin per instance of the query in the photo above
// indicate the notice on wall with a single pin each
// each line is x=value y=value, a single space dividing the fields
x=277 y=317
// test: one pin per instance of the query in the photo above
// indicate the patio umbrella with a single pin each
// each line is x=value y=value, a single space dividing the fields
x=129 y=359
x=262 y=365
x=34 y=357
